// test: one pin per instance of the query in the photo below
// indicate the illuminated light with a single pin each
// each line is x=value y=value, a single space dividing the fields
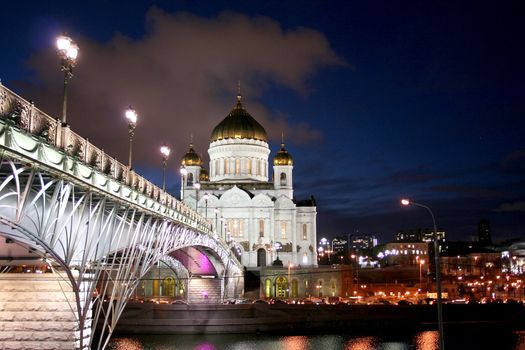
x=184 y=172
x=63 y=42
x=165 y=151
x=131 y=115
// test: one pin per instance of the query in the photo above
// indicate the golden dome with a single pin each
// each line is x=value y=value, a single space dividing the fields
x=191 y=158
x=239 y=124
x=204 y=175
x=283 y=157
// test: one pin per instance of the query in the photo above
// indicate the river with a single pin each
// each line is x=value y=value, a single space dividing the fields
x=423 y=340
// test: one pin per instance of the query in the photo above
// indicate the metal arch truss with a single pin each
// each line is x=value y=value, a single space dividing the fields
x=103 y=244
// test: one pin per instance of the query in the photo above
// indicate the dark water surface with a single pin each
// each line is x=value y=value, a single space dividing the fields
x=426 y=340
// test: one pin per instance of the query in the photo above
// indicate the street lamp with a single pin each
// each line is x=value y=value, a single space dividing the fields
x=131 y=116
x=216 y=211
x=290 y=265
x=223 y=227
x=183 y=173
x=421 y=263
x=68 y=53
x=197 y=187
x=165 y=151
x=206 y=197
x=407 y=202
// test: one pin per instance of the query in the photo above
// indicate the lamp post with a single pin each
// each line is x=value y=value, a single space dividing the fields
x=197 y=187
x=421 y=263
x=68 y=53
x=223 y=227
x=165 y=151
x=407 y=202
x=290 y=265
x=183 y=173
x=216 y=211
x=131 y=116
x=206 y=197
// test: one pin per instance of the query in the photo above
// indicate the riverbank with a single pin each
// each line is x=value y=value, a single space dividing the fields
x=140 y=318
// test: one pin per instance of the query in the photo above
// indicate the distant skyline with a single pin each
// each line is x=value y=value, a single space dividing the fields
x=377 y=100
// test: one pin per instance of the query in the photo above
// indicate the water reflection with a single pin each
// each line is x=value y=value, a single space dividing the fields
x=505 y=340
x=427 y=340
x=362 y=343
x=294 y=343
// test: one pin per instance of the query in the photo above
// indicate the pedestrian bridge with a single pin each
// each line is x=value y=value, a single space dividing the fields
x=79 y=232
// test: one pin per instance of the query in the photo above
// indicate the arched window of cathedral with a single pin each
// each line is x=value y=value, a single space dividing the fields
x=236 y=227
x=283 y=230
x=261 y=228
x=268 y=288
x=283 y=179
x=190 y=179
x=295 y=288
x=261 y=257
x=249 y=166
x=305 y=232
x=168 y=287
x=226 y=166
x=237 y=166
x=258 y=166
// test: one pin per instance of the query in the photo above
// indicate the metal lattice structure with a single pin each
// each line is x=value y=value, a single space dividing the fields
x=98 y=222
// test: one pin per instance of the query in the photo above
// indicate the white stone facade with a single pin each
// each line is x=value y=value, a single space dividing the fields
x=245 y=205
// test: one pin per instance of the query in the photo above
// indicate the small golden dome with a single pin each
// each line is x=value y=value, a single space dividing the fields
x=283 y=157
x=239 y=124
x=191 y=158
x=204 y=175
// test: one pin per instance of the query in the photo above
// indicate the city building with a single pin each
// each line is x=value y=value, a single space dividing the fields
x=484 y=236
x=360 y=242
x=402 y=253
x=250 y=203
x=419 y=235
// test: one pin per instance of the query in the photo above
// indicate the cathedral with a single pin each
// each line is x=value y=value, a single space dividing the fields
x=258 y=215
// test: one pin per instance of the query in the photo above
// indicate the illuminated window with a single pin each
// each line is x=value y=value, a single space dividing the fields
x=236 y=227
x=261 y=228
x=237 y=166
x=258 y=166
x=225 y=166
x=305 y=232
x=267 y=288
x=190 y=179
x=249 y=166
x=283 y=230
x=217 y=167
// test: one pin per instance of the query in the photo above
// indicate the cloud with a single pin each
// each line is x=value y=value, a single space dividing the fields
x=181 y=77
x=511 y=207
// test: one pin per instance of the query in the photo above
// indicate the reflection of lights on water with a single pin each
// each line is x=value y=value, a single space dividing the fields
x=205 y=346
x=126 y=344
x=362 y=343
x=294 y=343
x=427 y=340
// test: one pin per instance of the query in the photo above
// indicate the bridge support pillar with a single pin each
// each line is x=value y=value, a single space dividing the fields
x=38 y=311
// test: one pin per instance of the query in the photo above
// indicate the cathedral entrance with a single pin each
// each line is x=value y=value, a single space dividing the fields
x=261 y=257
x=281 y=287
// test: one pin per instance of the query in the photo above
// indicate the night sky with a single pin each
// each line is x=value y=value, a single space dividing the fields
x=378 y=100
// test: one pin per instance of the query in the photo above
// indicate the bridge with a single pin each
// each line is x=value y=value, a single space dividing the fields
x=79 y=231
